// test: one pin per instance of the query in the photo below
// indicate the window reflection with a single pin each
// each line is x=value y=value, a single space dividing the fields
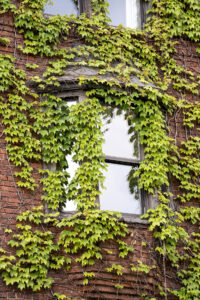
x=62 y=7
x=72 y=166
x=121 y=194
x=120 y=139
x=125 y=12
x=117 y=12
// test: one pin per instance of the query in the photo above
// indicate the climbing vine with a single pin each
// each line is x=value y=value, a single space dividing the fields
x=40 y=127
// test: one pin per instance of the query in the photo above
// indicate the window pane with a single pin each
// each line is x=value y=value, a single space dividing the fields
x=117 y=11
x=125 y=12
x=72 y=166
x=70 y=205
x=133 y=14
x=121 y=193
x=117 y=139
x=61 y=7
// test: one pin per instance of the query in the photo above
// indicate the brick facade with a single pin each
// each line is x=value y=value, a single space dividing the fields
x=14 y=200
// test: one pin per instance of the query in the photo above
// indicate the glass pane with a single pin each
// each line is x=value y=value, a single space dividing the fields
x=125 y=12
x=62 y=7
x=117 y=139
x=70 y=205
x=121 y=192
x=117 y=11
x=133 y=14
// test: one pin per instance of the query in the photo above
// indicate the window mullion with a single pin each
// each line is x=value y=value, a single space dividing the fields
x=121 y=160
x=85 y=7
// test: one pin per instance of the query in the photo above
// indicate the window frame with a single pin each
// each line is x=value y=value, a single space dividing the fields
x=85 y=7
x=145 y=200
x=144 y=7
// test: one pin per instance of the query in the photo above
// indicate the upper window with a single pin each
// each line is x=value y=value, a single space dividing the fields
x=125 y=12
x=62 y=7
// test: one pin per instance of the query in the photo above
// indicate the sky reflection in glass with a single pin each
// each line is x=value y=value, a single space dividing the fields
x=117 y=196
x=70 y=205
x=125 y=12
x=117 y=140
x=61 y=7
x=72 y=167
x=117 y=12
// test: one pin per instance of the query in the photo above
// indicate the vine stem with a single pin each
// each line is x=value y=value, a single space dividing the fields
x=164 y=270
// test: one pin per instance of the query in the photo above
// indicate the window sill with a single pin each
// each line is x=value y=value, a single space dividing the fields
x=127 y=218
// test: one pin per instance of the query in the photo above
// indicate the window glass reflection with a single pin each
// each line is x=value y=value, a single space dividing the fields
x=70 y=205
x=121 y=193
x=72 y=166
x=125 y=12
x=117 y=12
x=118 y=142
x=62 y=7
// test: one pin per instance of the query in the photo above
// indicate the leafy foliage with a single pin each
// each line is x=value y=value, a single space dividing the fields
x=35 y=255
x=89 y=229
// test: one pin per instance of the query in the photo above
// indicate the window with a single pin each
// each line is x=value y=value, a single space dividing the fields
x=122 y=154
x=62 y=7
x=125 y=12
x=122 y=157
x=72 y=166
